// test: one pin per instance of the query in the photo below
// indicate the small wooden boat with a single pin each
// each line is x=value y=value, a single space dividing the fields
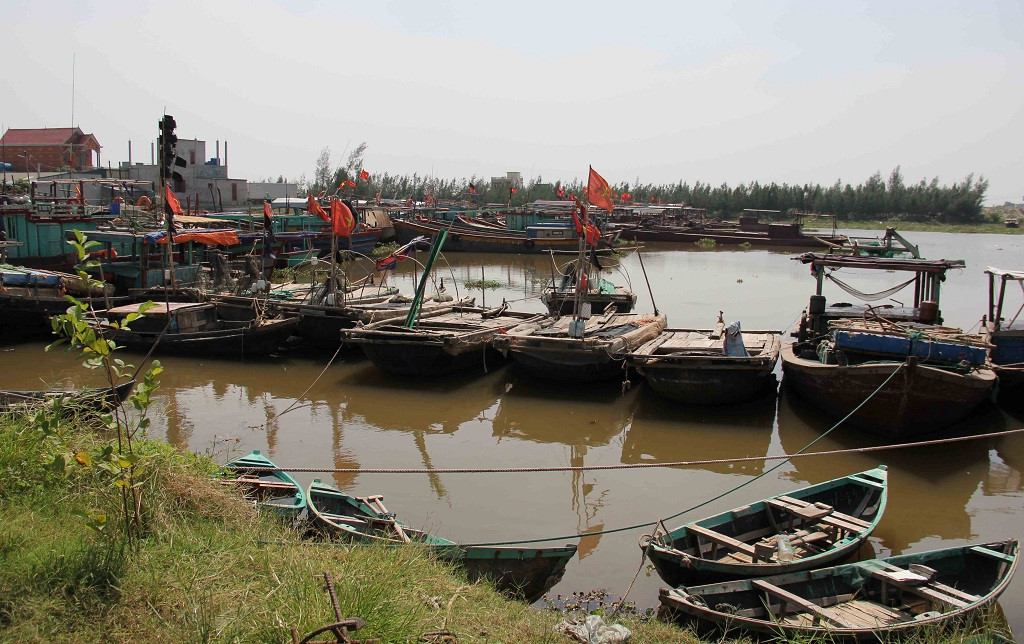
x=444 y=341
x=523 y=573
x=708 y=366
x=536 y=239
x=205 y=328
x=822 y=524
x=276 y=491
x=92 y=398
x=872 y=600
x=547 y=349
x=560 y=298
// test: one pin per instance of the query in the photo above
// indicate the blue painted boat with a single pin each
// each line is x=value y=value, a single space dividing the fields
x=1005 y=336
x=822 y=524
x=275 y=491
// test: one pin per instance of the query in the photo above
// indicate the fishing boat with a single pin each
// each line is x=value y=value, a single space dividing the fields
x=523 y=573
x=873 y=600
x=560 y=298
x=447 y=340
x=539 y=238
x=1005 y=336
x=91 y=398
x=209 y=328
x=748 y=230
x=276 y=491
x=708 y=366
x=568 y=349
x=30 y=297
x=845 y=353
x=815 y=526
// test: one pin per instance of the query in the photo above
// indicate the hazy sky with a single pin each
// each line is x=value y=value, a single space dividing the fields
x=714 y=91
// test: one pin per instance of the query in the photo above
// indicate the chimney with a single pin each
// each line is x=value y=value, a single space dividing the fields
x=225 y=154
x=218 y=151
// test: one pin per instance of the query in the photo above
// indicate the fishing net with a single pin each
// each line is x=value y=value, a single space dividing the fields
x=869 y=297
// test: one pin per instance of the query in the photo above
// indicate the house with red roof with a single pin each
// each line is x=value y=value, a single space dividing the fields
x=50 y=149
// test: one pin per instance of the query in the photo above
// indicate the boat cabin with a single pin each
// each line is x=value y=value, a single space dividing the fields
x=927 y=277
x=1007 y=336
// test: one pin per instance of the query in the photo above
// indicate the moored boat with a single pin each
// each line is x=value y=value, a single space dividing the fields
x=1005 y=336
x=197 y=328
x=708 y=366
x=535 y=239
x=846 y=353
x=872 y=600
x=560 y=298
x=811 y=527
x=523 y=573
x=559 y=348
x=276 y=491
x=91 y=398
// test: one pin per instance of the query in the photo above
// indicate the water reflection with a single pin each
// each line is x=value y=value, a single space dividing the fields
x=664 y=432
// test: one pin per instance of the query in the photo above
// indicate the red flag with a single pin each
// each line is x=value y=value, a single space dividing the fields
x=575 y=218
x=599 y=193
x=341 y=216
x=583 y=283
x=266 y=210
x=364 y=175
x=78 y=189
x=472 y=189
x=314 y=208
x=172 y=204
x=511 y=191
x=560 y=193
x=593 y=235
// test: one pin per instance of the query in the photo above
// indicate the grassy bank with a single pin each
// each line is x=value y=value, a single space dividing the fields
x=825 y=223
x=211 y=568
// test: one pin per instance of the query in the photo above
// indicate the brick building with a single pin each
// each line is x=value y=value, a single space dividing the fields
x=50 y=149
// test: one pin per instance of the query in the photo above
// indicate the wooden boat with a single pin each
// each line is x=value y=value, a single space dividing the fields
x=872 y=600
x=536 y=239
x=546 y=349
x=204 y=328
x=696 y=366
x=444 y=341
x=561 y=298
x=1005 y=336
x=92 y=398
x=845 y=353
x=276 y=491
x=523 y=573
x=748 y=230
x=823 y=524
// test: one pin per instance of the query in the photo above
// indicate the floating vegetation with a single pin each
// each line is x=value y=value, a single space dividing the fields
x=381 y=250
x=745 y=245
x=705 y=242
x=487 y=284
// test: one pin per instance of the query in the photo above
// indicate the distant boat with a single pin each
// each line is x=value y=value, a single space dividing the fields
x=523 y=573
x=550 y=349
x=872 y=600
x=697 y=366
x=535 y=239
x=748 y=230
x=276 y=491
x=560 y=298
x=820 y=525
x=93 y=398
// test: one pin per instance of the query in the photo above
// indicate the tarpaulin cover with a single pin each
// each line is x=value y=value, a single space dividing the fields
x=201 y=235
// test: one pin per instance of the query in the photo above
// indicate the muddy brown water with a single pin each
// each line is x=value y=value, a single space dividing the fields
x=355 y=416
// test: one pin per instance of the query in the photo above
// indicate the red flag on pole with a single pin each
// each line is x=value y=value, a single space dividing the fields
x=599 y=193
x=364 y=175
x=472 y=189
x=172 y=204
x=313 y=207
x=342 y=219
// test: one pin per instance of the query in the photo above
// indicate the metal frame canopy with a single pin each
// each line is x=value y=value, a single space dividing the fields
x=995 y=303
x=881 y=263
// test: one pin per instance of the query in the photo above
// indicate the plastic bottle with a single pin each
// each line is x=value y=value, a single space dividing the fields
x=785 y=548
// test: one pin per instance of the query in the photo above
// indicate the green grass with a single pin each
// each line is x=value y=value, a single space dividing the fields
x=705 y=242
x=825 y=223
x=483 y=284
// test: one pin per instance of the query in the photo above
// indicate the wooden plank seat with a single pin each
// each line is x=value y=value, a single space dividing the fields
x=833 y=518
x=988 y=552
x=719 y=539
x=768 y=546
x=250 y=482
x=934 y=592
x=804 y=604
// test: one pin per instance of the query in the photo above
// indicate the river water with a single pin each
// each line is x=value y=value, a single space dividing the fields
x=354 y=416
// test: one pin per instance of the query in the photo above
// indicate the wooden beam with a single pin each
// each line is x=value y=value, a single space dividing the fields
x=805 y=604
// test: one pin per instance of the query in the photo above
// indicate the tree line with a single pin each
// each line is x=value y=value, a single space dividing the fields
x=959 y=202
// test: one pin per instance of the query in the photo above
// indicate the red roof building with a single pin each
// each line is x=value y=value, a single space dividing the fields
x=50 y=149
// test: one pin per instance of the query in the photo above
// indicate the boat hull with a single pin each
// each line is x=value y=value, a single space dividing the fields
x=708 y=385
x=919 y=400
x=729 y=238
x=430 y=359
x=470 y=241
x=240 y=342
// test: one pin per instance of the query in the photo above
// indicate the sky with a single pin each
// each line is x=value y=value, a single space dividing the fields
x=655 y=92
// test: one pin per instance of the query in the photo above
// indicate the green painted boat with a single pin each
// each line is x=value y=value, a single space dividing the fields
x=276 y=491
x=822 y=524
x=521 y=573
x=874 y=600
x=90 y=398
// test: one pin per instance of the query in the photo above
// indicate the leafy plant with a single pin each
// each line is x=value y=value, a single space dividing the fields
x=705 y=242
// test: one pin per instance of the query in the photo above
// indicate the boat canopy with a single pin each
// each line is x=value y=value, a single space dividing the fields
x=1005 y=274
x=880 y=263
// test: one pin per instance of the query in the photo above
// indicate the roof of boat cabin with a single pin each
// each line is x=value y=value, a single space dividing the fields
x=1005 y=274
x=161 y=308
